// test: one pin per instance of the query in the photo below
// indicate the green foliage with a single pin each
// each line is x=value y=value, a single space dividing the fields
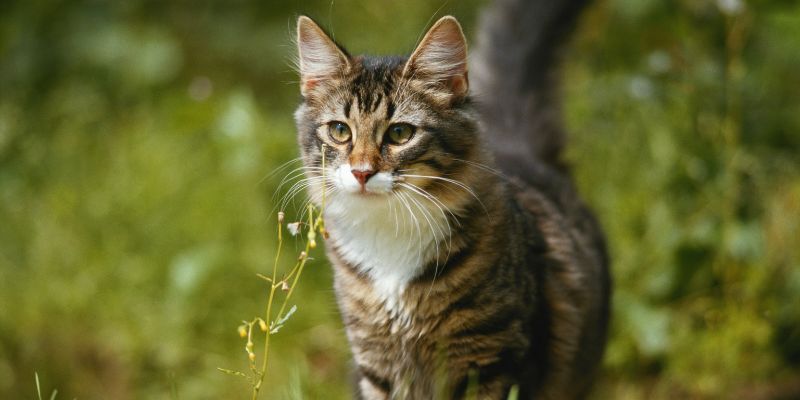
x=137 y=141
x=691 y=112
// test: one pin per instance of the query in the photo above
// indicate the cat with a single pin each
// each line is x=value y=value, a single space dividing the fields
x=464 y=261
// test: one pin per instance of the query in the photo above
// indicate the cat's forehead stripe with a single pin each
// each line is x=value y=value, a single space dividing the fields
x=346 y=110
x=377 y=102
x=389 y=109
x=374 y=82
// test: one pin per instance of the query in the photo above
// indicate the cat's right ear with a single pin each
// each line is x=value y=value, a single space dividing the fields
x=320 y=57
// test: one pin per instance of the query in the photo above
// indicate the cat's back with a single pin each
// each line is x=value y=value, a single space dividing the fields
x=573 y=283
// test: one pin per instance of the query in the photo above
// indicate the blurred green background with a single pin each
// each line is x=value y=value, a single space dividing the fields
x=137 y=140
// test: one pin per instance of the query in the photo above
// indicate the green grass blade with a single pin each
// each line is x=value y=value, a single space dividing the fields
x=513 y=393
x=38 y=387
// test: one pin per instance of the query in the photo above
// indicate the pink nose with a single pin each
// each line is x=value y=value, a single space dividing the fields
x=362 y=175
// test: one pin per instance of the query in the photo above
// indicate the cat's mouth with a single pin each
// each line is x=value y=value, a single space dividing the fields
x=363 y=183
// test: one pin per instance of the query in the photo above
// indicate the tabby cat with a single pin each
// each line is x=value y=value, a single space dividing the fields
x=465 y=262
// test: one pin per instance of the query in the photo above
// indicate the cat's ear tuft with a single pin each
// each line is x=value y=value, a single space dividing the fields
x=319 y=56
x=441 y=57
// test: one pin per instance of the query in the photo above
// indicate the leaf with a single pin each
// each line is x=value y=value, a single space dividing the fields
x=276 y=326
x=288 y=314
x=232 y=372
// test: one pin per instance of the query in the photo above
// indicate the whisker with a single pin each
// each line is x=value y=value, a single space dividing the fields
x=484 y=167
x=290 y=193
x=438 y=204
x=451 y=181
x=330 y=189
x=403 y=214
x=449 y=234
x=434 y=200
x=393 y=211
x=431 y=198
x=442 y=208
x=414 y=219
x=299 y=186
x=280 y=168
x=293 y=174
x=433 y=226
x=296 y=188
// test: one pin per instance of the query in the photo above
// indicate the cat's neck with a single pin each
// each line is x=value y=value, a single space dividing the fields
x=391 y=242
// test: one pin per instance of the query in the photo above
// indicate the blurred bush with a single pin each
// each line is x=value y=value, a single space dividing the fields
x=686 y=141
x=137 y=140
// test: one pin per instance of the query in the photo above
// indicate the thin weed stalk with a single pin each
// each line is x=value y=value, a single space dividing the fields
x=270 y=324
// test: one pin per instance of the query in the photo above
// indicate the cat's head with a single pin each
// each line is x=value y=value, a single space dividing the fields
x=387 y=123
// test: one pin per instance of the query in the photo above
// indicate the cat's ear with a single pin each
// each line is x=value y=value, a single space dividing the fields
x=319 y=56
x=441 y=57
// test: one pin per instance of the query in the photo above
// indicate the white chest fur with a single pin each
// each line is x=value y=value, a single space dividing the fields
x=389 y=238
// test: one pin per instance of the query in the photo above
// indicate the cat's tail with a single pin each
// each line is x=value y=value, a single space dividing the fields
x=514 y=75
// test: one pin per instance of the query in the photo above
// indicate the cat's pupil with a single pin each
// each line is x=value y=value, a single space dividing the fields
x=400 y=133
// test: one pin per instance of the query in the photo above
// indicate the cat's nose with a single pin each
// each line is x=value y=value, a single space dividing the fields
x=362 y=175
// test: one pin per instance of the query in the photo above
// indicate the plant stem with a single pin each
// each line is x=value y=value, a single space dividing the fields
x=302 y=264
x=263 y=372
x=294 y=274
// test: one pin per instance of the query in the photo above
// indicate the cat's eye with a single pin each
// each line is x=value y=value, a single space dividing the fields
x=339 y=132
x=400 y=133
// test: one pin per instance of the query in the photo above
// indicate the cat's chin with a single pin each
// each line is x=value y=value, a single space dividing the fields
x=369 y=195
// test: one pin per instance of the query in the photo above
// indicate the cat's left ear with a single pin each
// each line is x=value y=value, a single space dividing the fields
x=320 y=57
x=441 y=57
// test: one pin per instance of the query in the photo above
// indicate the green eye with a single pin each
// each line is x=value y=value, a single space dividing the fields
x=339 y=132
x=400 y=133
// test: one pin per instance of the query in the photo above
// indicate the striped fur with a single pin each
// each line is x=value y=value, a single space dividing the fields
x=450 y=275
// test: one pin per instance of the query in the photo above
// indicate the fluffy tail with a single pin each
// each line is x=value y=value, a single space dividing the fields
x=514 y=75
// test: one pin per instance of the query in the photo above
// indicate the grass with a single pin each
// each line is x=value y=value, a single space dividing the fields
x=39 y=389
